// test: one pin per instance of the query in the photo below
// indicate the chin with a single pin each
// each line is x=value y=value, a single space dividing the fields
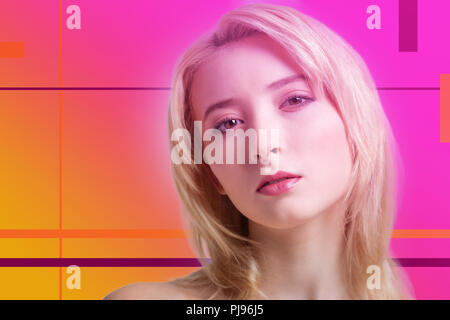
x=285 y=219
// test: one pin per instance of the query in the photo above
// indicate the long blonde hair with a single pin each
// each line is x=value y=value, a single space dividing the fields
x=336 y=70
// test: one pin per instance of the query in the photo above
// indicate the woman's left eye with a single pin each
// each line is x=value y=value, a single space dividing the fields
x=295 y=99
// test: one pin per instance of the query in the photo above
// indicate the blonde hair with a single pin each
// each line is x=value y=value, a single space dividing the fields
x=336 y=70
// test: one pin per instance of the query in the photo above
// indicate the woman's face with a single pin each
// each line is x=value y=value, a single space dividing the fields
x=312 y=141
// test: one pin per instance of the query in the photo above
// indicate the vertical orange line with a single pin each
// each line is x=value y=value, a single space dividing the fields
x=444 y=108
x=60 y=145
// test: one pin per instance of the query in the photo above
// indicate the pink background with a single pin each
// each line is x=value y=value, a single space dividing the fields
x=115 y=157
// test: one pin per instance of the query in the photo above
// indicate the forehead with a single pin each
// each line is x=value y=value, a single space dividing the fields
x=238 y=68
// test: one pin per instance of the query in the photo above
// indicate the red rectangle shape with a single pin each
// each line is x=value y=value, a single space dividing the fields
x=12 y=49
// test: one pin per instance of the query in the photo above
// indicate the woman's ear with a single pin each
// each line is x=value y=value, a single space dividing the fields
x=214 y=180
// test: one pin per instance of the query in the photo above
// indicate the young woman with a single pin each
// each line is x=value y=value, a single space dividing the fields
x=319 y=227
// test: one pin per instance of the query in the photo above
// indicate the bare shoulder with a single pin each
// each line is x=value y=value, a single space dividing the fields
x=148 y=291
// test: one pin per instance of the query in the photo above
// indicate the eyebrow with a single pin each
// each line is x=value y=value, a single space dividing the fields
x=275 y=85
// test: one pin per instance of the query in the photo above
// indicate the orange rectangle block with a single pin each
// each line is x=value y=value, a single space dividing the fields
x=421 y=233
x=12 y=49
x=445 y=108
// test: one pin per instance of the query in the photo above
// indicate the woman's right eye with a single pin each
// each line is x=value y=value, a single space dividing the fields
x=222 y=125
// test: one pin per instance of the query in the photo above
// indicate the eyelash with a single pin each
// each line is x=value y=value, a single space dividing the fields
x=229 y=118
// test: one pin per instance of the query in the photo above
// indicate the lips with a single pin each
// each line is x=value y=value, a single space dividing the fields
x=276 y=178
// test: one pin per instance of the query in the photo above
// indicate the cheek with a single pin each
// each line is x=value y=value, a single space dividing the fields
x=329 y=155
x=227 y=175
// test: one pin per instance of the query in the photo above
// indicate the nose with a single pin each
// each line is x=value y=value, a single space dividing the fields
x=269 y=161
x=266 y=124
x=265 y=158
x=268 y=153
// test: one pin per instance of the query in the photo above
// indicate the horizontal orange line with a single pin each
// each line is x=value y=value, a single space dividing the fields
x=173 y=233
x=86 y=233
x=12 y=49
x=421 y=233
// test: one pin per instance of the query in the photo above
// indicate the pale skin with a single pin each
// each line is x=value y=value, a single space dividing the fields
x=300 y=230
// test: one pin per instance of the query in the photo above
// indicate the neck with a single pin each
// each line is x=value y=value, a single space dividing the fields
x=303 y=262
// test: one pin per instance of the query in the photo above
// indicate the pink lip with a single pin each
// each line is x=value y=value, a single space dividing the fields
x=288 y=182
x=279 y=187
